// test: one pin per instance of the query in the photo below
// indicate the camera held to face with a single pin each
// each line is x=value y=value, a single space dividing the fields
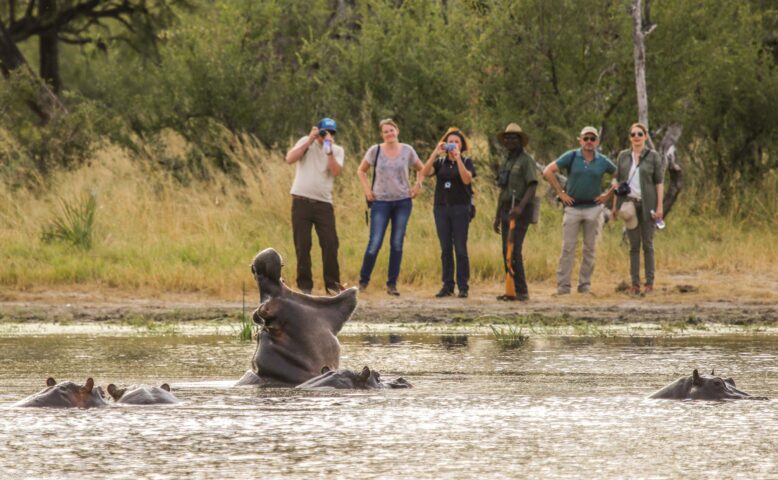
x=450 y=147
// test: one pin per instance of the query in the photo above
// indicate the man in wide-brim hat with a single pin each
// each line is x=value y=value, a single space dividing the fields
x=518 y=181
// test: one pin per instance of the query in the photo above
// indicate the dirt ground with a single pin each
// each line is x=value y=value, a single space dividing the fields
x=729 y=299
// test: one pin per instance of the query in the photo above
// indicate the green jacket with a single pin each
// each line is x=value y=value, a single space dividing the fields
x=651 y=175
x=522 y=173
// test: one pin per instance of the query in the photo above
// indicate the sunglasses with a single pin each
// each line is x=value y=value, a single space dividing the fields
x=511 y=136
x=636 y=134
x=589 y=139
x=325 y=132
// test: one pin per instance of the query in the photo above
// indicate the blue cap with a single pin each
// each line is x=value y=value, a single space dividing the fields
x=327 y=124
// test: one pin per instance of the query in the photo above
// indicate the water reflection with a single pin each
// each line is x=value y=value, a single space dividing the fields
x=556 y=408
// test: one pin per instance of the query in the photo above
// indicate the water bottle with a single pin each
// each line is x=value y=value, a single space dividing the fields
x=660 y=224
x=327 y=146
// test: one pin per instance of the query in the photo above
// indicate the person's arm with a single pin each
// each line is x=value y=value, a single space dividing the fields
x=429 y=165
x=660 y=193
x=362 y=174
x=464 y=173
x=549 y=173
x=418 y=166
x=297 y=152
x=333 y=165
x=525 y=199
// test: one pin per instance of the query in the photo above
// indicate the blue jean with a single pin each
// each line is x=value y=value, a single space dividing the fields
x=381 y=213
x=452 y=223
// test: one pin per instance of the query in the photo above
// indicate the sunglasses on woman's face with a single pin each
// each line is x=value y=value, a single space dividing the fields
x=589 y=139
x=636 y=134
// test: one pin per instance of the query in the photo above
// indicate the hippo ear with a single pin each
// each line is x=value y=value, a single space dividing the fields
x=165 y=387
x=90 y=384
x=112 y=390
x=325 y=369
x=50 y=382
x=365 y=374
x=730 y=381
x=712 y=372
x=696 y=379
x=253 y=271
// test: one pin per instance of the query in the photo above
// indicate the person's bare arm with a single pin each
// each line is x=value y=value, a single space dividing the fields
x=297 y=152
x=549 y=173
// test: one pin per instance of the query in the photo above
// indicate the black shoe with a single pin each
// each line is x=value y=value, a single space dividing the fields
x=462 y=294
x=506 y=298
x=362 y=287
x=392 y=291
x=445 y=292
x=522 y=297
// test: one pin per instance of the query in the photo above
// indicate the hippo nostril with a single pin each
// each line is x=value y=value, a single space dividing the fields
x=257 y=318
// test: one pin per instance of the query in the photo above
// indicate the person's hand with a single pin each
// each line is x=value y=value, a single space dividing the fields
x=415 y=190
x=455 y=153
x=566 y=199
x=313 y=135
x=614 y=213
x=496 y=224
x=515 y=213
x=441 y=150
x=659 y=214
x=602 y=198
x=370 y=196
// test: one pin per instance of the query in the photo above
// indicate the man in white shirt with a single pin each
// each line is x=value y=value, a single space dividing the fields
x=318 y=161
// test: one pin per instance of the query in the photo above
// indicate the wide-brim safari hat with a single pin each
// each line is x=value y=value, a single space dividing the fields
x=465 y=141
x=514 y=128
x=628 y=213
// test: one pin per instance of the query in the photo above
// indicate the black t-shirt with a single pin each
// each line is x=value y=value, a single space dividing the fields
x=449 y=189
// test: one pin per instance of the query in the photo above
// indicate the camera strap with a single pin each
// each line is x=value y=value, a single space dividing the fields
x=372 y=183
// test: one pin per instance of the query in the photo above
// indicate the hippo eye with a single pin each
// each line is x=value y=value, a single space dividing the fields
x=719 y=384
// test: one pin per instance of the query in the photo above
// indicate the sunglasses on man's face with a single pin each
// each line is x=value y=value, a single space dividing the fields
x=589 y=139
x=511 y=136
x=324 y=133
x=636 y=134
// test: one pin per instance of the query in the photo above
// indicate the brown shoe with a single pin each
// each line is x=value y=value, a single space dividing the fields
x=648 y=289
x=634 y=290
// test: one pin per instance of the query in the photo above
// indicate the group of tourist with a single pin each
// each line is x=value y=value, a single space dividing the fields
x=635 y=195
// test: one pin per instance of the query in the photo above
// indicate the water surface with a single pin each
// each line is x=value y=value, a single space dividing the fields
x=557 y=407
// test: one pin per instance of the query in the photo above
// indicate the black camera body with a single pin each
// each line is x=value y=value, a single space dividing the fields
x=623 y=189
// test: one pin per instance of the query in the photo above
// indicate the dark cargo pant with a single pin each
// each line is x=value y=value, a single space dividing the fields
x=307 y=213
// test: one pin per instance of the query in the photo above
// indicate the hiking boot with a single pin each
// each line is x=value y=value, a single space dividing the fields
x=506 y=298
x=462 y=294
x=634 y=290
x=445 y=292
x=362 y=287
x=335 y=290
x=392 y=291
x=522 y=297
x=648 y=289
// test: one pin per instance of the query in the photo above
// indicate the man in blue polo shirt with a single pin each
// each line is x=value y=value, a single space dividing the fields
x=583 y=198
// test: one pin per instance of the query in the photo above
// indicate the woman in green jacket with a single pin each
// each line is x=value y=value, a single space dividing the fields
x=639 y=189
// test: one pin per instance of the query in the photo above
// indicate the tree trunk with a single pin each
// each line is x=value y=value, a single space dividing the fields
x=10 y=56
x=49 y=47
x=670 y=161
x=639 y=52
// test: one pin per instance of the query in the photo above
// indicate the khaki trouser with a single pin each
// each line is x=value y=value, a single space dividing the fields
x=590 y=220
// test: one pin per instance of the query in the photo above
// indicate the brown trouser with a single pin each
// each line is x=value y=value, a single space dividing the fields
x=307 y=213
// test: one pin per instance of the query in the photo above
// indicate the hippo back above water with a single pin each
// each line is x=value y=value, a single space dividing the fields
x=703 y=387
x=66 y=395
x=346 y=379
x=142 y=394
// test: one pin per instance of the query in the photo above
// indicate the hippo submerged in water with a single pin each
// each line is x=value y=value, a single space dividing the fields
x=703 y=387
x=298 y=336
x=346 y=379
x=66 y=395
x=142 y=394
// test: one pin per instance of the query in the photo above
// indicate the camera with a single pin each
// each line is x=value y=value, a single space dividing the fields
x=623 y=189
x=450 y=147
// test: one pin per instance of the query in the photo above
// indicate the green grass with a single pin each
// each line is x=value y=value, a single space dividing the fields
x=509 y=336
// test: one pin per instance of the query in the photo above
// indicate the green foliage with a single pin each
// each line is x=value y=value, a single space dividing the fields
x=509 y=336
x=74 y=223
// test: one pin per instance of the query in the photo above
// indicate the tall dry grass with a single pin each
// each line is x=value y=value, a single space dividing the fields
x=153 y=235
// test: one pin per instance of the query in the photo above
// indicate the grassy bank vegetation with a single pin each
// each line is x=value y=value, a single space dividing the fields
x=152 y=234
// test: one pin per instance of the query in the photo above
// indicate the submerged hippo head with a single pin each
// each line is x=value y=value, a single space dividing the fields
x=66 y=395
x=703 y=387
x=142 y=394
x=346 y=379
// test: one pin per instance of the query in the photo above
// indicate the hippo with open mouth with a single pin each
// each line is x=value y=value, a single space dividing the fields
x=299 y=331
x=66 y=395
x=142 y=394
x=346 y=379
x=703 y=387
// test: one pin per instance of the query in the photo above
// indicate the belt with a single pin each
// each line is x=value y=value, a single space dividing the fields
x=306 y=199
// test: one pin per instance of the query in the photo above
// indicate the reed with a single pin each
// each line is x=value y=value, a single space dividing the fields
x=509 y=336
x=150 y=234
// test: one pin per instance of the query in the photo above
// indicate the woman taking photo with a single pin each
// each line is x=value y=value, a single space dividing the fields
x=639 y=187
x=390 y=193
x=453 y=194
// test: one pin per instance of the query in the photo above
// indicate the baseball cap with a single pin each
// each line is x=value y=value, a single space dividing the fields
x=327 y=124
x=592 y=130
